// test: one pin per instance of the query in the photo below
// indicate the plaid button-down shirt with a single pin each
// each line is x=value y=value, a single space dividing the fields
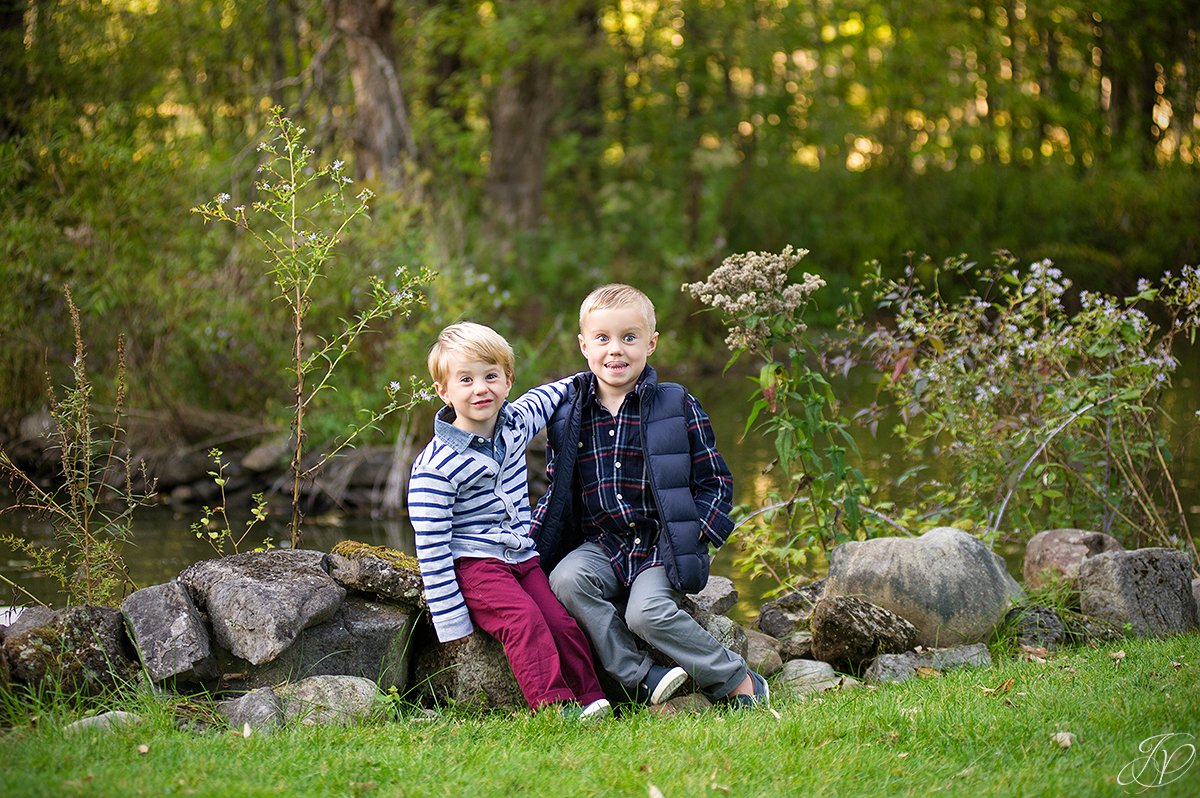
x=617 y=501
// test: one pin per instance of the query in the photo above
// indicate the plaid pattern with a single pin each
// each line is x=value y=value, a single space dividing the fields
x=618 y=505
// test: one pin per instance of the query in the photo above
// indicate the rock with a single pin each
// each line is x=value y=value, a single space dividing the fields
x=898 y=667
x=797 y=645
x=848 y=632
x=688 y=704
x=804 y=676
x=782 y=616
x=168 y=633
x=270 y=455
x=364 y=638
x=946 y=583
x=727 y=632
x=261 y=708
x=1148 y=589
x=329 y=700
x=259 y=602
x=718 y=597
x=83 y=649
x=472 y=672
x=762 y=653
x=378 y=570
x=102 y=722
x=1056 y=554
x=1037 y=626
x=1196 y=592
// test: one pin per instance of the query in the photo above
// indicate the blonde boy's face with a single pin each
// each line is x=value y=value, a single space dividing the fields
x=616 y=343
x=476 y=390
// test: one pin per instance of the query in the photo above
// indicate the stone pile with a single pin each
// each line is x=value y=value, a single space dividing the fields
x=309 y=637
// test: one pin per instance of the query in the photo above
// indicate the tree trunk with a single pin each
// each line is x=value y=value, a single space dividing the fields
x=14 y=71
x=383 y=140
x=523 y=108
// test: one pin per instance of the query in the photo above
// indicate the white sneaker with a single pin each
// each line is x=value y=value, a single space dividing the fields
x=600 y=708
x=661 y=683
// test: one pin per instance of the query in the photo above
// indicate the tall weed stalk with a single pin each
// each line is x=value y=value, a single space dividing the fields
x=301 y=216
x=92 y=510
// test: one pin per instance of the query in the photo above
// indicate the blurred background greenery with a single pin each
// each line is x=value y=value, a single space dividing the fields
x=528 y=150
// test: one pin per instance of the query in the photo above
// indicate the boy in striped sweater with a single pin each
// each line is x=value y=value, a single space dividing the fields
x=468 y=500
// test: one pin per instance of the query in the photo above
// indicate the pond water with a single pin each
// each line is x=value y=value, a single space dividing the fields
x=163 y=543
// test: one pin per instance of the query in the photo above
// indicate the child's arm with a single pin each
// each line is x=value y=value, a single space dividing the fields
x=712 y=482
x=536 y=405
x=430 y=503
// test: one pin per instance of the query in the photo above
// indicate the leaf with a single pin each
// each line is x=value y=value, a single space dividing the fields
x=926 y=672
x=999 y=689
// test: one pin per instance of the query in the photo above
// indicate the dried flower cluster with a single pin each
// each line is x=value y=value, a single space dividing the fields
x=752 y=292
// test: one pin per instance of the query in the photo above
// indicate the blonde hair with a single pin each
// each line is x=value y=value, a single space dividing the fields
x=473 y=342
x=619 y=295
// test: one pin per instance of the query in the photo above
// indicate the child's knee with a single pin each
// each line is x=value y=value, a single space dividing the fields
x=650 y=619
x=566 y=582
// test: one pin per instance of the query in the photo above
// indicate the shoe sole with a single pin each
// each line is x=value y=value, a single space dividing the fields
x=668 y=685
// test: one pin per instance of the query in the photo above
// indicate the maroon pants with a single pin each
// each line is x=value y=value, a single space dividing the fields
x=547 y=650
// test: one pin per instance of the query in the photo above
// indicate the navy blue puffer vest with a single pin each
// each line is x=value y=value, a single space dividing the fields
x=669 y=463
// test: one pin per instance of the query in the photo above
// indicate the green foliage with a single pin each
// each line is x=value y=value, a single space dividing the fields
x=825 y=491
x=1011 y=391
x=214 y=528
x=92 y=511
x=297 y=224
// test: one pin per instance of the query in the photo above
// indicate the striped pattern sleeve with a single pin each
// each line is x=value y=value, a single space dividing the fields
x=431 y=497
x=712 y=482
x=536 y=405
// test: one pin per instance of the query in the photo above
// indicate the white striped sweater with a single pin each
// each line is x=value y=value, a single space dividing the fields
x=463 y=504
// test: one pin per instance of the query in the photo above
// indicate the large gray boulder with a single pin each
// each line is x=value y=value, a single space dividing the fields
x=1055 y=555
x=473 y=672
x=82 y=649
x=169 y=634
x=848 y=632
x=899 y=667
x=945 y=582
x=363 y=638
x=1149 y=589
x=329 y=700
x=260 y=708
x=259 y=602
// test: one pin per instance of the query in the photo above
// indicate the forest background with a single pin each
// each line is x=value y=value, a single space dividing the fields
x=528 y=150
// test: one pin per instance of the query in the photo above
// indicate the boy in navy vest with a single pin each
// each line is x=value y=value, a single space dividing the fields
x=468 y=499
x=638 y=492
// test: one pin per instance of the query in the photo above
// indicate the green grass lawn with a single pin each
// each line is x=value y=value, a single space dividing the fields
x=975 y=733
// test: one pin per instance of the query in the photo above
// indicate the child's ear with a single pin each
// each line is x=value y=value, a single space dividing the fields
x=441 y=391
x=652 y=345
x=582 y=346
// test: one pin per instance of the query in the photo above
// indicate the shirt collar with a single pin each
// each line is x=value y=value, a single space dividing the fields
x=457 y=439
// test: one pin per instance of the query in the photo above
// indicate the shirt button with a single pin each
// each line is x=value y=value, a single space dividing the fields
x=637 y=541
x=619 y=496
x=612 y=432
x=581 y=444
x=632 y=524
x=481 y=440
x=616 y=465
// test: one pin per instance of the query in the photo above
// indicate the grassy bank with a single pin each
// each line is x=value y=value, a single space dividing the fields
x=977 y=733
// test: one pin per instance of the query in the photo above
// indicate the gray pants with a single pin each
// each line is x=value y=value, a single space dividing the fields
x=586 y=584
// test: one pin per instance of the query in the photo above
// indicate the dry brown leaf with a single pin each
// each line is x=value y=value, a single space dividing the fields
x=999 y=689
x=926 y=672
x=902 y=755
x=1116 y=657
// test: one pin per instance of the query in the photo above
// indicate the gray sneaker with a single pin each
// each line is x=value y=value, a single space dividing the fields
x=661 y=683
x=761 y=697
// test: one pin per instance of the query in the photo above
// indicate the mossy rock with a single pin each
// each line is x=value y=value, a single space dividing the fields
x=379 y=571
